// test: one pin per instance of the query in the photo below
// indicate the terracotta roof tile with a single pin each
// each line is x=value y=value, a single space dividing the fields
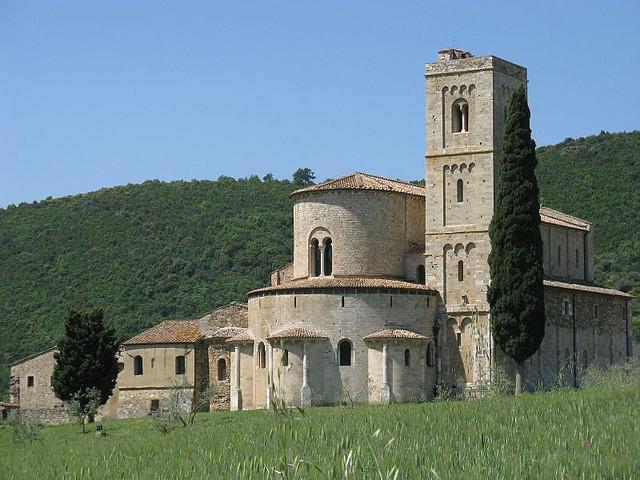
x=226 y=332
x=586 y=288
x=242 y=337
x=169 y=331
x=365 y=181
x=549 y=215
x=297 y=332
x=391 y=333
x=345 y=282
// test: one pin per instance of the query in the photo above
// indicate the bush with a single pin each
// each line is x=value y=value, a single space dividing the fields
x=25 y=431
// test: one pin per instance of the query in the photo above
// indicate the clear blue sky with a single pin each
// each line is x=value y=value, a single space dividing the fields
x=101 y=93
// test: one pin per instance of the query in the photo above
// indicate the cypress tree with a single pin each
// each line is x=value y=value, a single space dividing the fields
x=86 y=358
x=516 y=293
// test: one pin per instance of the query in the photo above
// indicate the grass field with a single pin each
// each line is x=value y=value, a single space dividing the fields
x=589 y=433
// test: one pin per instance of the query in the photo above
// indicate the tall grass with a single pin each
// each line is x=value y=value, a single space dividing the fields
x=588 y=433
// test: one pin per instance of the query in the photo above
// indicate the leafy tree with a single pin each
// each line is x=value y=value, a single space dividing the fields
x=85 y=361
x=85 y=404
x=303 y=177
x=516 y=293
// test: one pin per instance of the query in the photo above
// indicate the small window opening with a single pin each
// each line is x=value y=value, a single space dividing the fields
x=153 y=362
x=460 y=117
x=559 y=255
x=342 y=302
x=595 y=311
x=565 y=307
x=285 y=358
x=181 y=365
x=428 y=301
x=391 y=301
x=262 y=356
x=137 y=365
x=459 y=190
x=459 y=338
x=315 y=258
x=295 y=302
x=30 y=381
x=420 y=276
x=344 y=353
x=222 y=370
x=460 y=271
x=155 y=405
x=407 y=357
x=328 y=257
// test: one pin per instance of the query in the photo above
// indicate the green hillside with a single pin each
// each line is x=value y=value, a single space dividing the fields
x=176 y=250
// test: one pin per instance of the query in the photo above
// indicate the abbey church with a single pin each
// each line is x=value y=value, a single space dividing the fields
x=386 y=295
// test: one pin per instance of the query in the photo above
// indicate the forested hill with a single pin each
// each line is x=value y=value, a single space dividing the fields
x=177 y=250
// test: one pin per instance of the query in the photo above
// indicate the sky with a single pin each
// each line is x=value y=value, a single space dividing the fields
x=101 y=93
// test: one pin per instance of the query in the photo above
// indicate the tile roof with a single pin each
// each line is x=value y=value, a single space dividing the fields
x=364 y=181
x=169 y=331
x=549 y=215
x=226 y=332
x=345 y=282
x=297 y=332
x=586 y=288
x=399 y=333
x=242 y=337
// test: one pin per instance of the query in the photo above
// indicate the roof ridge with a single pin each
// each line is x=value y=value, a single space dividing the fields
x=582 y=220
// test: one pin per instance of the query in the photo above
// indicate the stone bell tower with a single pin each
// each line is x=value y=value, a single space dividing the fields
x=466 y=101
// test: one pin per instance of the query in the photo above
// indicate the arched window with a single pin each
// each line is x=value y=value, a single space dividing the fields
x=222 y=370
x=314 y=252
x=460 y=117
x=344 y=353
x=431 y=360
x=137 y=365
x=407 y=357
x=262 y=356
x=460 y=271
x=181 y=365
x=460 y=190
x=285 y=358
x=328 y=256
x=420 y=275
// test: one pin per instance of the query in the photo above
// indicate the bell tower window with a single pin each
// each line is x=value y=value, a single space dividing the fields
x=459 y=190
x=460 y=117
x=328 y=256
x=315 y=255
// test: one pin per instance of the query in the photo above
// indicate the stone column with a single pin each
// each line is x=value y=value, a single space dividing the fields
x=321 y=249
x=235 y=386
x=385 y=390
x=464 y=114
x=305 y=391
x=269 y=354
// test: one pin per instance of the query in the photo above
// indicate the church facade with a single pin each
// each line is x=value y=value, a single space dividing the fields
x=386 y=295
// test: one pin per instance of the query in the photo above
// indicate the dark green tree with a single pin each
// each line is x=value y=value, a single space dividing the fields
x=516 y=294
x=303 y=177
x=86 y=360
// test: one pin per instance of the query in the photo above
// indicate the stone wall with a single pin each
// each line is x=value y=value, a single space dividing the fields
x=566 y=252
x=31 y=382
x=370 y=230
x=219 y=350
x=137 y=402
x=282 y=275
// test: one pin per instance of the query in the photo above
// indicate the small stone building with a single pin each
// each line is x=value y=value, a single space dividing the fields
x=30 y=390
x=181 y=363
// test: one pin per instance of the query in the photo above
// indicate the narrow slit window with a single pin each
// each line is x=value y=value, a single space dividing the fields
x=460 y=271
x=137 y=365
x=407 y=357
x=262 y=356
x=460 y=190
x=222 y=370
x=285 y=358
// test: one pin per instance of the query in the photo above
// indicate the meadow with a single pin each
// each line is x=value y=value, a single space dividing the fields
x=566 y=434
